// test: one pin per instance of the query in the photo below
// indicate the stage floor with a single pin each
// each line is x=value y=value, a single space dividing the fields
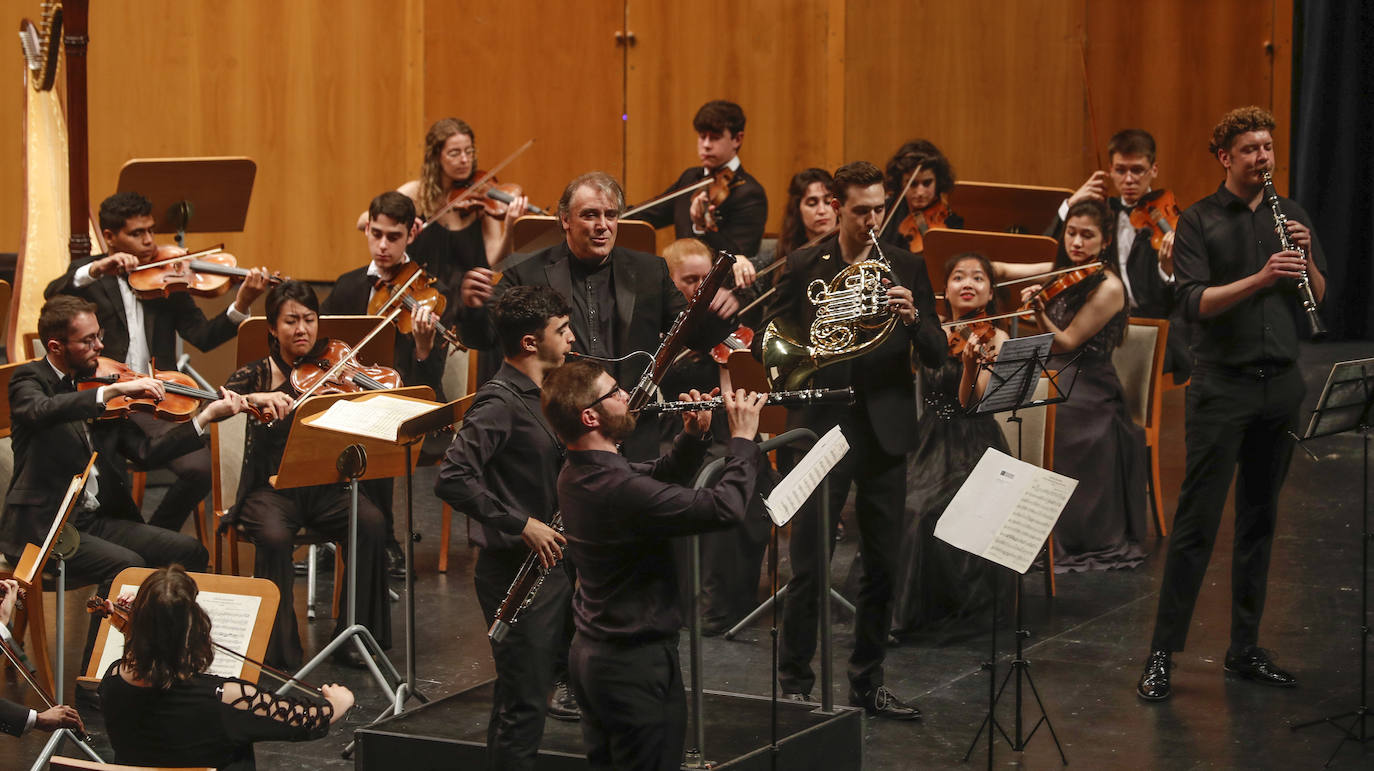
x=1086 y=647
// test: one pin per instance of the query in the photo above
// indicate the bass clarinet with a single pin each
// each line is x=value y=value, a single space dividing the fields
x=1309 y=301
x=522 y=590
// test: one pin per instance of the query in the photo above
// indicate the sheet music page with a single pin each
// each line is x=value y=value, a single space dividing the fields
x=379 y=417
x=797 y=486
x=231 y=624
x=1005 y=510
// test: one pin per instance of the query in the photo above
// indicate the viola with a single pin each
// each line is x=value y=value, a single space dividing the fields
x=914 y=227
x=206 y=273
x=411 y=287
x=716 y=194
x=739 y=340
x=335 y=370
x=1064 y=282
x=181 y=403
x=1157 y=211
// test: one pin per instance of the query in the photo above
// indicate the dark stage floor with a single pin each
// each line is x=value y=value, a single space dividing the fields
x=1086 y=647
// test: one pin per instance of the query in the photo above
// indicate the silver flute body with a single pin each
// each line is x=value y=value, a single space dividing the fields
x=1309 y=300
x=778 y=398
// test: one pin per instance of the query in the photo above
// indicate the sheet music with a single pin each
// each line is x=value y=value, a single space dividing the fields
x=379 y=417
x=1015 y=371
x=797 y=486
x=232 y=617
x=1005 y=510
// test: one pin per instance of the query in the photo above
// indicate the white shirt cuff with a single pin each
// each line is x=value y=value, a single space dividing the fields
x=696 y=231
x=100 y=395
x=234 y=314
x=1064 y=211
x=83 y=277
x=1168 y=277
x=28 y=724
x=200 y=430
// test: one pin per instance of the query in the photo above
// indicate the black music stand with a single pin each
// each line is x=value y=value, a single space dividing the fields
x=214 y=192
x=1020 y=364
x=1347 y=405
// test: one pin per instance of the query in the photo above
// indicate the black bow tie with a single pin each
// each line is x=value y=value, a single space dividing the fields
x=1118 y=206
x=68 y=383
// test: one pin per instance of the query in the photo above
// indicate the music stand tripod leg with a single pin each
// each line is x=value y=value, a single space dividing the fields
x=54 y=741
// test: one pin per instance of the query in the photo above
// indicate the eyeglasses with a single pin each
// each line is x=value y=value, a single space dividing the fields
x=89 y=341
x=470 y=152
x=615 y=389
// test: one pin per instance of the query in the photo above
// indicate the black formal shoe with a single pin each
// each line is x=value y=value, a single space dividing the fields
x=395 y=560
x=1154 y=681
x=796 y=696
x=563 y=704
x=324 y=563
x=880 y=702
x=347 y=655
x=1254 y=663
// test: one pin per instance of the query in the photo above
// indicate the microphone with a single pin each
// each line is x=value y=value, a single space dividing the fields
x=507 y=198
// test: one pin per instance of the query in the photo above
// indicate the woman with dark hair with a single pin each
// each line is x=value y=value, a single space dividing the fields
x=918 y=179
x=1095 y=440
x=162 y=709
x=808 y=215
x=938 y=586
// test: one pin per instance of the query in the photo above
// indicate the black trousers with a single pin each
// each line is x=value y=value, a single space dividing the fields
x=634 y=708
x=1236 y=424
x=192 y=483
x=270 y=519
x=525 y=660
x=880 y=500
x=110 y=545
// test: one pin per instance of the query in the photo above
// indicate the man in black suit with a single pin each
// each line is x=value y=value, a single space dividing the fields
x=54 y=436
x=622 y=301
x=736 y=225
x=16 y=719
x=879 y=430
x=1148 y=274
x=142 y=332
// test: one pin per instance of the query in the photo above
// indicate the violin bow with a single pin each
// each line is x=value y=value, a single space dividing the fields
x=895 y=201
x=1088 y=94
x=466 y=194
x=338 y=365
x=170 y=260
x=706 y=180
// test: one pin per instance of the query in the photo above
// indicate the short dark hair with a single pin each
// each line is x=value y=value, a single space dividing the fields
x=566 y=392
x=290 y=289
x=912 y=157
x=120 y=208
x=856 y=174
x=168 y=634
x=56 y=316
x=719 y=115
x=986 y=264
x=1239 y=121
x=1131 y=142
x=598 y=180
x=397 y=206
x=525 y=310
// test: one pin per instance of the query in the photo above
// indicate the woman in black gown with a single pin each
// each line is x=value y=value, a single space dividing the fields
x=938 y=585
x=1095 y=440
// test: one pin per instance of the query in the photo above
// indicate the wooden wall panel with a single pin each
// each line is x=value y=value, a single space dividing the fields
x=528 y=69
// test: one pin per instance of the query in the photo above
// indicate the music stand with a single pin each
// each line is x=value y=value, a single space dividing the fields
x=1347 y=405
x=1019 y=365
x=193 y=195
x=1007 y=208
x=533 y=232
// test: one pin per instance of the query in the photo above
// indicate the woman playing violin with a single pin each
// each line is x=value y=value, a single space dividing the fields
x=162 y=709
x=1095 y=441
x=269 y=517
x=937 y=585
x=918 y=180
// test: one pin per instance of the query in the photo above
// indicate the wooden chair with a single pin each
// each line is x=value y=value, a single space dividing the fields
x=59 y=763
x=227 y=439
x=1037 y=448
x=1139 y=363
x=460 y=379
x=30 y=619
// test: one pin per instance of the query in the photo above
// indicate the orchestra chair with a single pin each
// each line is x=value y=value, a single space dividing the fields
x=1139 y=362
x=59 y=763
x=227 y=438
x=1037 y=449
x=460 y=379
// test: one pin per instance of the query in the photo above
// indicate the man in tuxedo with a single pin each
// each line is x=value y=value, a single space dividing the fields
x=16 y=719
x=879 y=430
x=622 y=301
x=735 y=225
x=142 y=332
x=54 y=436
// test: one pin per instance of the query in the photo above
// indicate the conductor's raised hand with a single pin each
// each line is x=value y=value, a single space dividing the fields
x=743 y=410
x=475 y=290
x=544 y=541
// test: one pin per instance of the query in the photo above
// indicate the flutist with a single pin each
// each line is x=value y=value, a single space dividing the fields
x=1238 y=283
x=501 y=470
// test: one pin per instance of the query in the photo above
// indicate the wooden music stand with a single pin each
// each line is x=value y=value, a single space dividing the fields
x=942 y=244
x=109 y=644
x=531 y=233
x=6 y=372
x=193 y=195
x=252 y=342
x=1007 y=208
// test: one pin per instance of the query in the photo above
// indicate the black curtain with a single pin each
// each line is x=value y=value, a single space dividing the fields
x=1333 y=151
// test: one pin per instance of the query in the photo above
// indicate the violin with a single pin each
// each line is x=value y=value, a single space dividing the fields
x=716 y=194
x=206 y=273
x=335 y=370
x=117 y=611
x=980 y=324
x=1157 y=211
x=739 y=340
x=1064 y=282
x=412 y=288
x=181 y=403
x=914 y=227
x=468 y=196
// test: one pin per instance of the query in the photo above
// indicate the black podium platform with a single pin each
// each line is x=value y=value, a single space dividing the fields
x=451 y=733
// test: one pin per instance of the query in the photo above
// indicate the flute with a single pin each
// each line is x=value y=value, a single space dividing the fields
x=776 y=398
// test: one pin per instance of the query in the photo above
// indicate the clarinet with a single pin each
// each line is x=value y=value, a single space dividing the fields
x=780 y=398
x=528 y=579
x=1309 y=301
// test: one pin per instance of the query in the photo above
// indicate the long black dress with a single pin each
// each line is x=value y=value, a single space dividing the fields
x=938 y=585
x=448 y=254
x=1097 y=443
